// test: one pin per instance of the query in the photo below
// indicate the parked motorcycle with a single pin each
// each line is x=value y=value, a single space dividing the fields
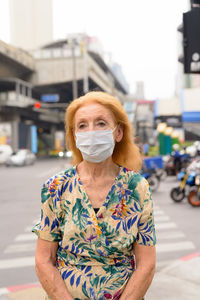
x=187 y=180
x=153 y=171
x=194 y=194
x=175 y=162
x=161 y=174
x=152 y=179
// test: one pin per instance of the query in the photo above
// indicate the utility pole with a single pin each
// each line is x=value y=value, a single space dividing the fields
x=85 y=64
x=72 y=43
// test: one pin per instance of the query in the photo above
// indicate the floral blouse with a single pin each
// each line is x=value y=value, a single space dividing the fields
x=95 y=254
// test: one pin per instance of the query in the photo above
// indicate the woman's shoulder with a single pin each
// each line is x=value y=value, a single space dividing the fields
x=134 y=179
x=132 y=175
x=60 y=177
x=138 y=184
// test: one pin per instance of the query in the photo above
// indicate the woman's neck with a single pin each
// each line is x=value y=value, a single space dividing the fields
x=97 y=170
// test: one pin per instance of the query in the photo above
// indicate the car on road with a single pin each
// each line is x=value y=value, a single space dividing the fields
x=5 y=152
x=22 y=157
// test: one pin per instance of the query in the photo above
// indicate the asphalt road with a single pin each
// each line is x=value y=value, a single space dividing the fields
x=19 y=211
x=177 y=224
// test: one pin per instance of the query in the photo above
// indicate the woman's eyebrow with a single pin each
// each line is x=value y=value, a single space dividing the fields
x=82 y=119
x=101 y=117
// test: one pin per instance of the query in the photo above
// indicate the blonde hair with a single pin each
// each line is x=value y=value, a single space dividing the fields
x=125 y=153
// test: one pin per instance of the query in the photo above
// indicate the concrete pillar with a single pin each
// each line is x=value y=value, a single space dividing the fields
x=23 y=90
x=15 y=134
x=29 y=93
x=17 y=90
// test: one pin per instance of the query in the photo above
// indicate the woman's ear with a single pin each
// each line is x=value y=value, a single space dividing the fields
x=119 y=133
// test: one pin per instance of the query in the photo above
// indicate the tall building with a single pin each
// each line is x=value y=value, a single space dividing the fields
x=31 y=23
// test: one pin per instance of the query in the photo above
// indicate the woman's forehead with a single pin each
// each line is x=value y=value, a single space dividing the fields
x=94 y=110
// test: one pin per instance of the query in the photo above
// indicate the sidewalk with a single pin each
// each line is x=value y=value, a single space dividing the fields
x=180 y=279
x=24 y=292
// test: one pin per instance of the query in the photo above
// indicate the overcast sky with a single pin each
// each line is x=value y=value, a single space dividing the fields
x=140 y=35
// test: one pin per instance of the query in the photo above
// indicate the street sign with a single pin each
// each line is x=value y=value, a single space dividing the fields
x=50 y=97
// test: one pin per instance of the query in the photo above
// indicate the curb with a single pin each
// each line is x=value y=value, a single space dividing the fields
x=186 y=269
x=16 y=288
x=190 y=256
x=181 y=261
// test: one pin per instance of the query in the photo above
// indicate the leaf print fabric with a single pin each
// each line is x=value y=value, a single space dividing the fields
x=95 y=254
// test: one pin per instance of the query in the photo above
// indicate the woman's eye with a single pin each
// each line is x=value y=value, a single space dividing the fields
x=101 y=124
x=81 y=126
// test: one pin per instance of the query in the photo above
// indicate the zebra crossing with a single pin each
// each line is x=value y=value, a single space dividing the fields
x=171 y=240
x=21 y=252
x=23 y=247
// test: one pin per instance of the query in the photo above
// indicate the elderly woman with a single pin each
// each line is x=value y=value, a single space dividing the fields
x=96 y=234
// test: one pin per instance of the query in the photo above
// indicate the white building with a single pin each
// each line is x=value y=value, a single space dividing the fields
x=31 y=23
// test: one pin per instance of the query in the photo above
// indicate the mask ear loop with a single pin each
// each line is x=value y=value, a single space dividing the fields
x=115 y=128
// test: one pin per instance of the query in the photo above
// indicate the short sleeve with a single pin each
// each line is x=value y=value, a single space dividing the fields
x=146 y=228
x=49 y=226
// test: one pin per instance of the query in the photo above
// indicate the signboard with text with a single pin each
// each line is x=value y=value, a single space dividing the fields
x=50 y=98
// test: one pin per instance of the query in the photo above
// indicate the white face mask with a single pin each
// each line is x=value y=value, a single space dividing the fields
x=95 y=146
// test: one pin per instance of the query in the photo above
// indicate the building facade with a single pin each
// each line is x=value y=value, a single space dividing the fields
x=51 y=77
x=31 y=23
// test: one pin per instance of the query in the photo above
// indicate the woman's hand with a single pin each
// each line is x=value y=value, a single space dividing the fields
x=143 y=275
x=48 y=275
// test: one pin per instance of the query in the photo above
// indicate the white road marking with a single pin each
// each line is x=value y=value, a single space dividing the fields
x=158 y=212
x=17 y=262
x=25 y=237
x=169 y=235
x=3 y=291
x=164 y=263
x=156 y=207
x=172 y=247
x=16 y=248
x=36 y=221
x=168 y=225
x=28 y=229
x=161 y=218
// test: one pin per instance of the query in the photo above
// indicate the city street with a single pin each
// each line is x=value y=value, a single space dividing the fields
x=20 y=210
x=62 y=77
x=177 y=224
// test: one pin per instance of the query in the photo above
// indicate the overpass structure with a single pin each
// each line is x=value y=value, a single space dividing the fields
x=15 y=62
x=64 y=70
x=61 y=64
